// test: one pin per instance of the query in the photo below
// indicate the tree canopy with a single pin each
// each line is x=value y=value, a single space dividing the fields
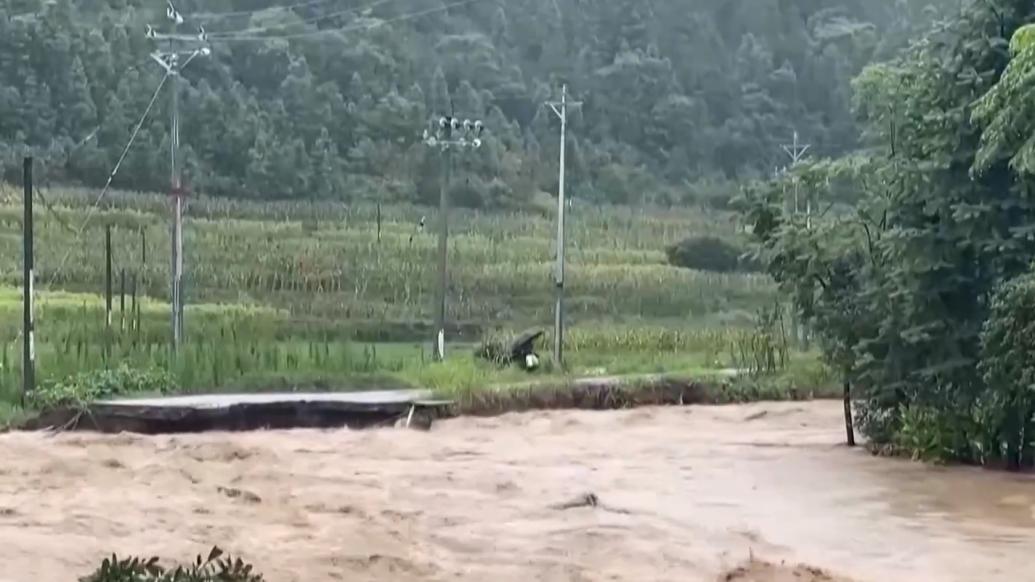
x=328 y=99
x=909 y=284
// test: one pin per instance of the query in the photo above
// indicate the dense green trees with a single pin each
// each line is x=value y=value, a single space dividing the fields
x=681 y=96
x=900 y=286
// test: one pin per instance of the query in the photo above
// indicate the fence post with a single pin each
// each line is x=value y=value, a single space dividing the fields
x=122 y=299
x=28 y=274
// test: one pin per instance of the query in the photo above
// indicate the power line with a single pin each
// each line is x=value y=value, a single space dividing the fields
x=313 y=20
x=54 y=213
x=107 y=185
x=217 y=15
x=361 y=27
x=39 y=192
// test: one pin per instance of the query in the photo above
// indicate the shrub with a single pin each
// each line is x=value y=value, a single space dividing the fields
x=469 y=192
x=765 y=349
x=1006 y=408
x=930 y=434
x=494 y=349
x=709 y=253
x=215 y=568
x=81 y=389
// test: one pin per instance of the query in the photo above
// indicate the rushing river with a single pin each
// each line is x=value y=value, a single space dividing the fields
x=698 y=493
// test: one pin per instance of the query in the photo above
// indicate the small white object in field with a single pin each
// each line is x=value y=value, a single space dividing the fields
x=531 y=362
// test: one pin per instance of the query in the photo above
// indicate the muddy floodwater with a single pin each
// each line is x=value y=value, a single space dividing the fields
x=762 y=492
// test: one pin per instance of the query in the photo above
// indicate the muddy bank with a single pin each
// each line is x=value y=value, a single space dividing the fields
x=607 y=393
x=296 y=411
x=759 y=492
x=287 y=411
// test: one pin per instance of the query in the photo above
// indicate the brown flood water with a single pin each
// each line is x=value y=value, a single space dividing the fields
x=699 y=493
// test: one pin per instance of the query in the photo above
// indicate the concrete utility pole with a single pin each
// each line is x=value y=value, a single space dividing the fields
x=561 y=110
x=796 y=151
x=449 y=133
x=179 y=47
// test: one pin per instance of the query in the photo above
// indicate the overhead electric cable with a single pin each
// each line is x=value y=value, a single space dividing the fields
x=236 y=13
x=352 y=28
x=312 y=20
x=107 y=185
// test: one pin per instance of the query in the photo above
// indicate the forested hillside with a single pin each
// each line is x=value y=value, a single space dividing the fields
x=328 y=98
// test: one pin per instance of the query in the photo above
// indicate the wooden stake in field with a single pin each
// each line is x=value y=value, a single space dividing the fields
x=133 y=321
x=29 y=329
x=107 y=294
x=122 y=299
x=107 y=276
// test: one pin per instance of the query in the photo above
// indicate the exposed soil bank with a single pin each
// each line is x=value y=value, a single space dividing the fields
x=608 y=393
x=679 y=494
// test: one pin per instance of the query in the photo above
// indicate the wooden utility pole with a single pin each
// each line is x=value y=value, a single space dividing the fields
x=28 y=280
x=133 y=323
x=122 y=299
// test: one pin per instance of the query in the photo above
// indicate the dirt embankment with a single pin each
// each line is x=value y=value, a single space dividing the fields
x=738 y=493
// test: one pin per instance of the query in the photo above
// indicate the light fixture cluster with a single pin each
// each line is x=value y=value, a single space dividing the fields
x=452 y=131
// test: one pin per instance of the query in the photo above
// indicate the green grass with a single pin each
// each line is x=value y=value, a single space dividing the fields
x=308 y=296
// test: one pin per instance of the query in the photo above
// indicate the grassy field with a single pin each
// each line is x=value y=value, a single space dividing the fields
x=320 y=295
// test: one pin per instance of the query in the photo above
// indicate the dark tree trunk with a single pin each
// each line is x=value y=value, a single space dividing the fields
x=849 y=425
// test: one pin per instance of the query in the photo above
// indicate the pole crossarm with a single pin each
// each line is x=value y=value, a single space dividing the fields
x=558 y=107
x=795 y=150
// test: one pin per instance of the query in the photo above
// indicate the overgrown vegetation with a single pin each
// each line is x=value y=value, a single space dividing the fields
x=216 y=567
x=899 y=285
x=79 y=390
x=709 y=253
x=765 y=349
x=1006 y=411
